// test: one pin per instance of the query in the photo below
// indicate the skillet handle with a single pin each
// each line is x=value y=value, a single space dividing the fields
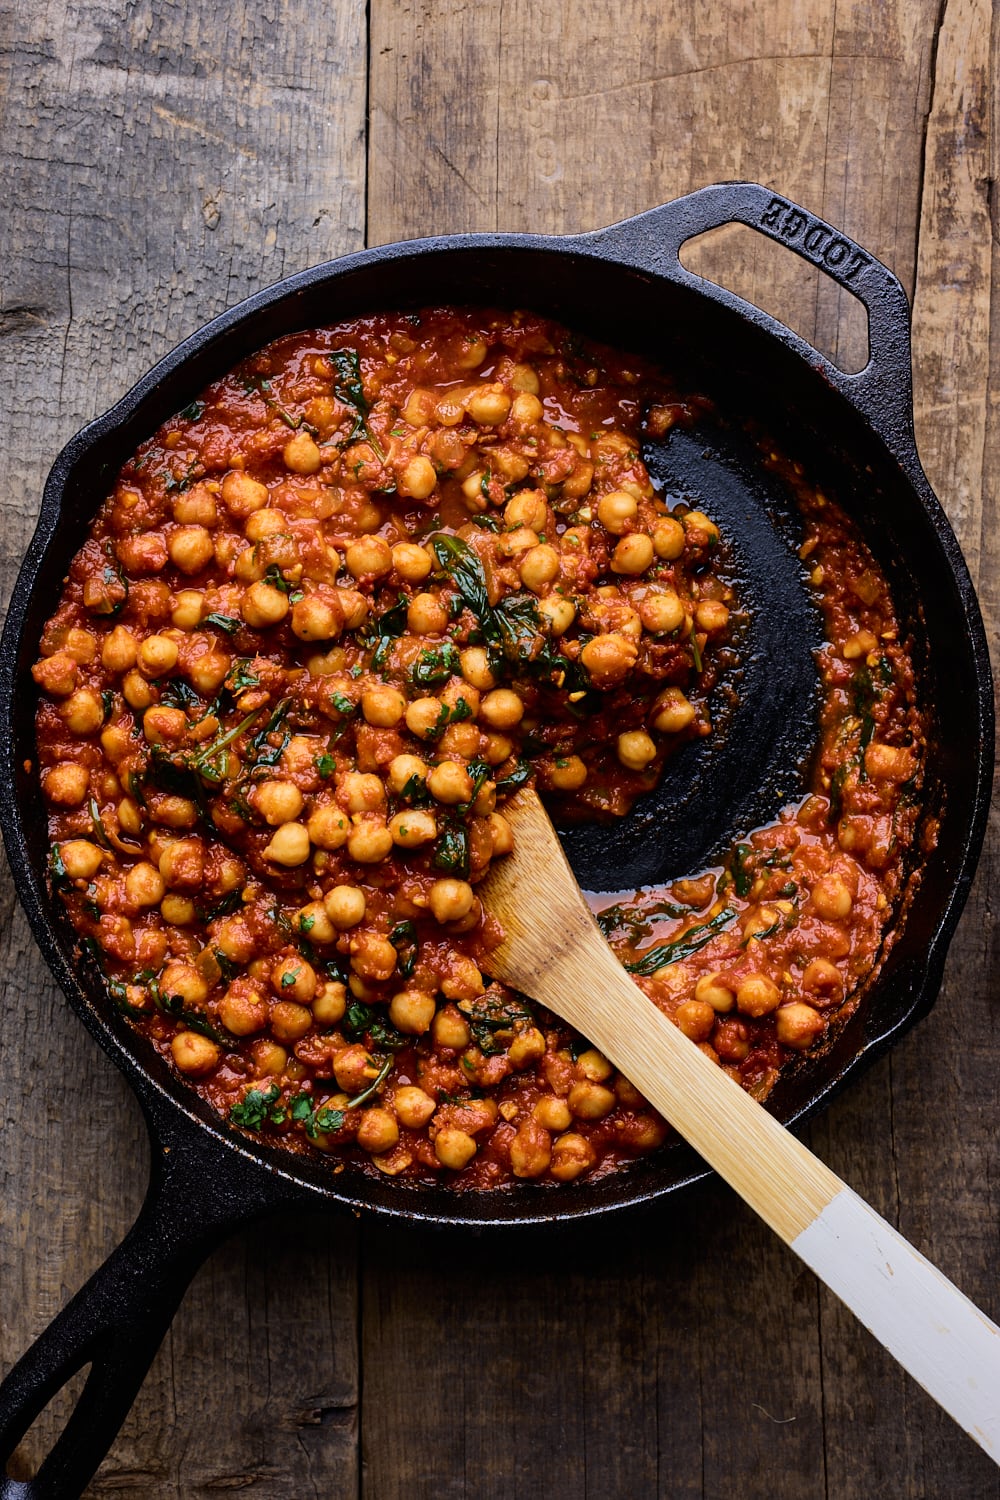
x=199 y=1192
x=883 y=390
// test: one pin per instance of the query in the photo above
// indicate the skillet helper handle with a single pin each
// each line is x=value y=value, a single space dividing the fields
x=883 y=390
x=932 y=1329
x=118 y=1319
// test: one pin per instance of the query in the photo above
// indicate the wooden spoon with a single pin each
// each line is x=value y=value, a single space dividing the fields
x=554 y=951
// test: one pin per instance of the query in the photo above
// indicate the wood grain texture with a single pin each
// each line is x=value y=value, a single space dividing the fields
x=159 y=161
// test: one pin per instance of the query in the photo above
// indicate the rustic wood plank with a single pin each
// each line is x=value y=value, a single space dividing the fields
x=160 y=162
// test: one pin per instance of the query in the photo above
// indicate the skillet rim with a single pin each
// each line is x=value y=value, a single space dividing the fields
x=430 y=1204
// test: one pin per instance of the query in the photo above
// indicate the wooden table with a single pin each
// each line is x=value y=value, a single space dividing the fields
x=161 y=161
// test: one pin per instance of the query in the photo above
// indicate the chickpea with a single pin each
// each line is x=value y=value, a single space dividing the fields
x=633 y=554
x=636 y=749
x=330 y=1003
x=57 y=674
x=594 y=1066
x=191 y=548
x=529 y=508
x=289 y=846
x=798 y=1025
x=715 y=993
x=242 y=494
x=424 y=717
x=831 y=898
x=757 y=995
x=464 y=981
x=672 y=712
x=695 y=1018
x=823 y=980
x=369 y=842
x=83 y=712
x=530 y=1150
x=197 y=505
x=668 y=539
x=426 y=615
x=144 y=885
x=608 y=659
x=418 y=478
x=412 y=1011
x=476 y=668
x=354 y=1069
x=314 y=923
x=182 y=864
x=368 y=557
x=157 y=654
x=263 y=606
x=301 y=454
x=450 y=900
x=277 y=801
x=234 y=938
x=711 y=615
x=81 y=859
x=701 y=531
x=345 y=906
x=497 y=749
x=449 y=783
x=294 y=979
x=270 y=1059
x=175 y=812
x=553 y=1113
x=454 y=1148
x=488 y=405
x=451 y=1029
x=558 y=612
x=527 y=1047
x=377 y=1131
x=187 y=608
x=501 y=709
x=888 y=762
x=120 y=650
x=411 y=562
x=373 y=957
x=66 y=784
x=315 y=619
x=662 y=613
x=362 y=791
x=328 y=827
x=539 y=567
x=243 y=1009
x=383 y=706
x=501 y=834
x=411 y=829
x=568 y=773
x=179 y=911
x=194 y=1054
x=162 y=725
x=208 y=671
x=591 y=1101
x=413 y=1106
x=460 y=740
x=571 y=1156
x=616 y=511
x=183 y=979
x=137 y=691
x=290 y=1022
x=270 y=523
x=403 y=769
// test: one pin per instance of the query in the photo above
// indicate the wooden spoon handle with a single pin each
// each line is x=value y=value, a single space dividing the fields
x=925 y=1322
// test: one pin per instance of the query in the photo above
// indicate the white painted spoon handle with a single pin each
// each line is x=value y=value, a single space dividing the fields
x=931 y=1328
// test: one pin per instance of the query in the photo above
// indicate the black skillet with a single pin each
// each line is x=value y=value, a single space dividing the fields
x=626 y=286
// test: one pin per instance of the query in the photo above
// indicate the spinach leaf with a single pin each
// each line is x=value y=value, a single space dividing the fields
x=682 y=947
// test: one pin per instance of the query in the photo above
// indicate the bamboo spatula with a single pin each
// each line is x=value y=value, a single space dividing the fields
x=554 y=951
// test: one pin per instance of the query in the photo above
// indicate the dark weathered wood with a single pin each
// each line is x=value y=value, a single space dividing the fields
x=159 y=162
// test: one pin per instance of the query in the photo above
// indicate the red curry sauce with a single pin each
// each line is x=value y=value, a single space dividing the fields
x=330 y=617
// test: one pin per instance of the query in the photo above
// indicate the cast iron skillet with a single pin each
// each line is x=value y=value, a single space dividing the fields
x=626 y=286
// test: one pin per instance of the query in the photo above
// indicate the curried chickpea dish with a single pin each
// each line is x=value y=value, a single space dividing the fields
x=332 y=615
